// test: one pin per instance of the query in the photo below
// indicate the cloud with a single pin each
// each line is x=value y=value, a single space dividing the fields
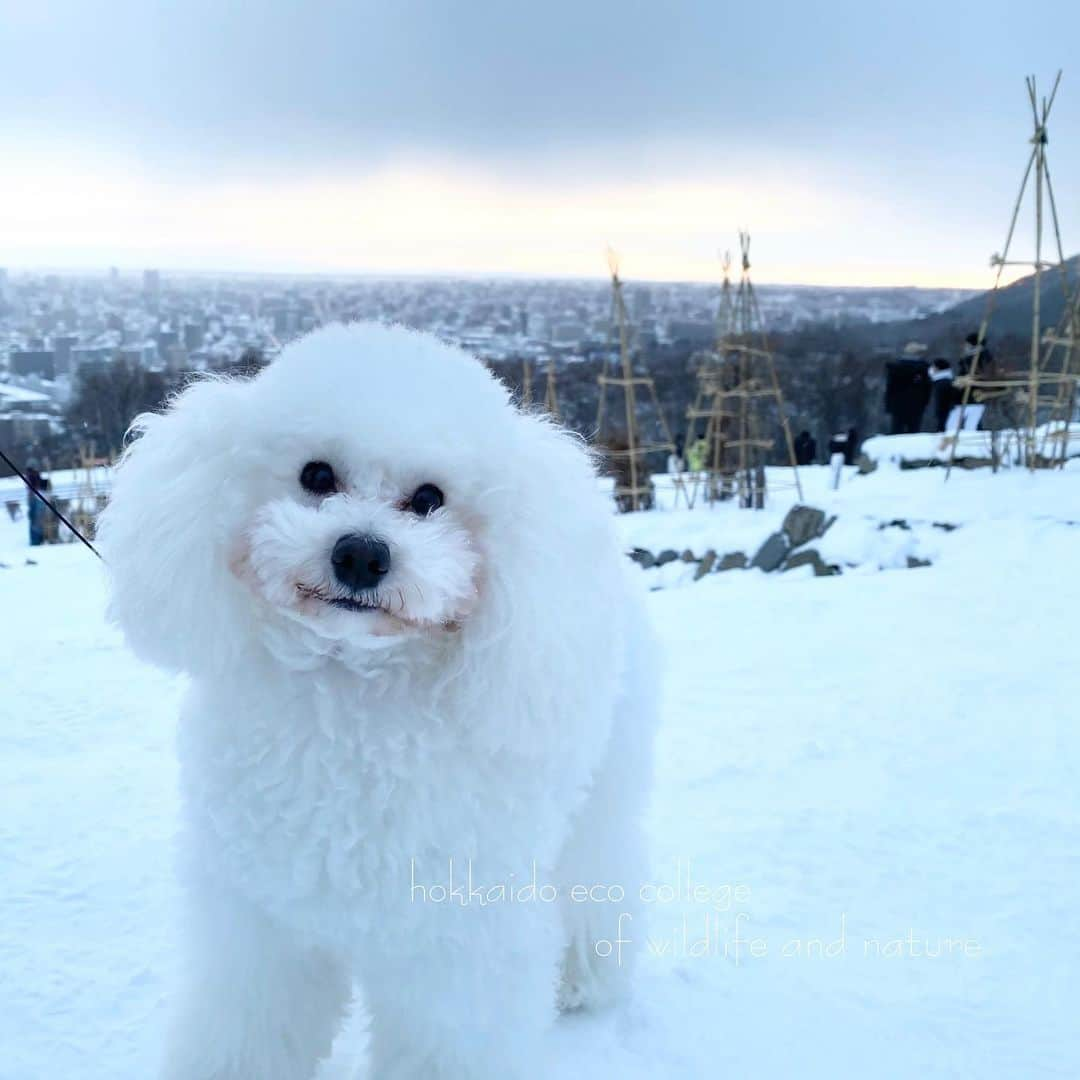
x=294 y=85
x=866 y=139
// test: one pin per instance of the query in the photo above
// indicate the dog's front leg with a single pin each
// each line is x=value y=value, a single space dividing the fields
x=255 y=1004
x=476 y=1005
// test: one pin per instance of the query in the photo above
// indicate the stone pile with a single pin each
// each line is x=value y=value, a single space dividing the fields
x=787 y=549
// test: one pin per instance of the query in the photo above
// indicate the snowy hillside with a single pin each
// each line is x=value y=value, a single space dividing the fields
x=874 y=775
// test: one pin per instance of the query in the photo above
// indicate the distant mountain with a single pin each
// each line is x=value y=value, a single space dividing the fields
x=1013 y=305
x=944 y=331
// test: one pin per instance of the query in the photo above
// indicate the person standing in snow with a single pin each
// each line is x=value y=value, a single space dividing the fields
x=976 y=362
x=35 y=508
x=698 y=454
x=907 y=389
x=676 y=462
x=805 y=449
x=851 y=446
x=976 y=359
x=943 y=393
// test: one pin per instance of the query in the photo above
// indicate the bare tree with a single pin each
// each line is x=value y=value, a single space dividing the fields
x=108 y=397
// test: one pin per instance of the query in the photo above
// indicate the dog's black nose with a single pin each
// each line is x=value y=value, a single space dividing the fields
x=360 y=562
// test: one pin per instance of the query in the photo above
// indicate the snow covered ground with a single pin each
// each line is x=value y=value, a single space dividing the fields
x=883 y=757
x=926 y=446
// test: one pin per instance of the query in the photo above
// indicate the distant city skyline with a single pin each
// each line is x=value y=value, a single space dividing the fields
x=56 y=328
x=860 y=147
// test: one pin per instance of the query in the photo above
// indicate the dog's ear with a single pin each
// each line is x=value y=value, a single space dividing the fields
x=544 y=640
x=163 y=534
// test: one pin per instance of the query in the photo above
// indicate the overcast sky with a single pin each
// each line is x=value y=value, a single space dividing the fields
x=861 y=143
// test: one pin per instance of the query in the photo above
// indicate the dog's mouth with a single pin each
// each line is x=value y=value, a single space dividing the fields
x=372 y=603
x=376 y=605
x=355 y=605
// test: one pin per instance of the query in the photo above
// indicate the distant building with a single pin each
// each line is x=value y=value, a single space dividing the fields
x=142 y=354
x=26 y=427
x=647 y=339
x=286 y=322
x=538 y=326
x=33 y=362
x=26 y=415
x=567 y=332
x=62 y=347
x=151 y=283
x=175 y=358
x=698 y=332
x=193 y=336
x=641 y=302
x=92 y=355
x=166 y=339
x=22 y=399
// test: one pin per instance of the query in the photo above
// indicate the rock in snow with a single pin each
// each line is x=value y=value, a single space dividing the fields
x=772 y=553
x=803 y=524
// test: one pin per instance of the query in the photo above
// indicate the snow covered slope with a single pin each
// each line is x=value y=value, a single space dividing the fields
x=892 y=755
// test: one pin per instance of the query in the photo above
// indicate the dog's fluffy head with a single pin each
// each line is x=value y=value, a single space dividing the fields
x=283 y=511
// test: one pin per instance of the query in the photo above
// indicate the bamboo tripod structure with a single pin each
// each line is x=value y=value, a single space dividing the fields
x=734 y=390
x=633 y=482
x=1048 y=389
x=713 y=378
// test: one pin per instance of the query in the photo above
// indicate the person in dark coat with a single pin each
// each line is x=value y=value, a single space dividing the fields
x=35 y=508
x=943 y=392
x=851 y=446
x=845 y=443
x=907 y=389
x=805 y=449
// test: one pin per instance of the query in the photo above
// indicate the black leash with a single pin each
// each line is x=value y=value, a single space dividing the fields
x=48 y=502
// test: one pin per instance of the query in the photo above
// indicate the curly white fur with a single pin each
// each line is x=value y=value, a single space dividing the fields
x=496 y=709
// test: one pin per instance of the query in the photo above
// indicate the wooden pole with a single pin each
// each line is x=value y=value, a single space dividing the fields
x=526 y=384
x=551 y=395
x=1036 y=306
x=629 y=395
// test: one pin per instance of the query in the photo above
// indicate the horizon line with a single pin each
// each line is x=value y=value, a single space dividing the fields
x=128 y=269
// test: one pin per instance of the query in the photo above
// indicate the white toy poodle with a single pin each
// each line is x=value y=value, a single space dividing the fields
x=418 y=734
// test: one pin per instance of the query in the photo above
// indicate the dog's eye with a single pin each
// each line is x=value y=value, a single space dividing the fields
x=426 y=499
x=318 y=478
